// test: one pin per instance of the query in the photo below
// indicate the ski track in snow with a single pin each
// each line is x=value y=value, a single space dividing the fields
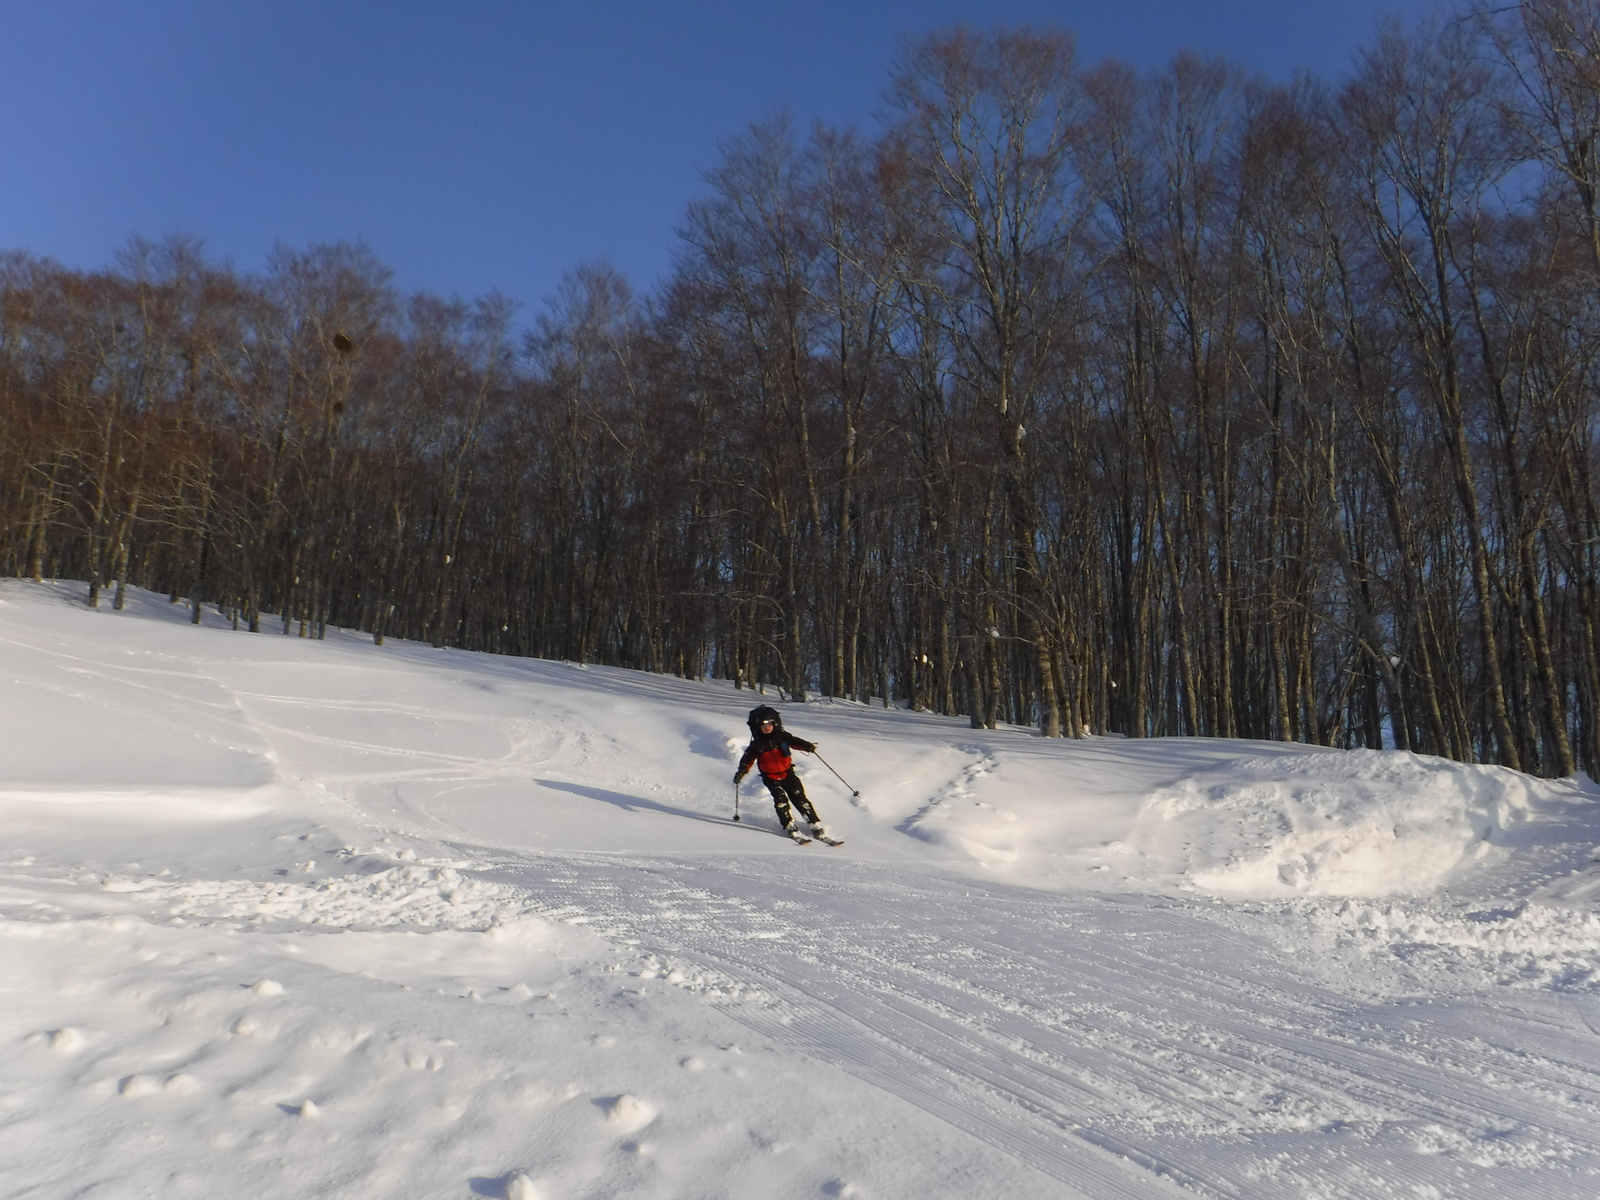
x=1095 y=1038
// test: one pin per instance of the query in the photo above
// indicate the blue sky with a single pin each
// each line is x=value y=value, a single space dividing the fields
x=485 y=143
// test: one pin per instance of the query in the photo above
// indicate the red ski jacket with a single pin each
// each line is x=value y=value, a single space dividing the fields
x=770 y=753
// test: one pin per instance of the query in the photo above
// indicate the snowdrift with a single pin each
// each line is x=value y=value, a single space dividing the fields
x=1348 y=823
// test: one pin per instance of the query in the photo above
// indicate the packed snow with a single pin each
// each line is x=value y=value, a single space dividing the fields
x=301 y=918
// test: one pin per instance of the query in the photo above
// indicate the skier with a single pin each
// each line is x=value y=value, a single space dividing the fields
x=769 y=750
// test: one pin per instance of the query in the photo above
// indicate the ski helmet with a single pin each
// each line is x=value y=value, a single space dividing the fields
x=764 y=713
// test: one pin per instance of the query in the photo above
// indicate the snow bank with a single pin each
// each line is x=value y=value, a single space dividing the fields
x=1336 y=823
x=958 y=818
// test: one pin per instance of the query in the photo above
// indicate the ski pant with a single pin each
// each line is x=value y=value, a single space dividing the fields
x=786 y=789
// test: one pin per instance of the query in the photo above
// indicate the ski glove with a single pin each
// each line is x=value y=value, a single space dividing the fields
x=738 y=778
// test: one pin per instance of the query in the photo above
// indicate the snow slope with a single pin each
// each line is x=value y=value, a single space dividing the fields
x=318 y=918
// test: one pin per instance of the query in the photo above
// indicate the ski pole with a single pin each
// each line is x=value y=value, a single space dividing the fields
x=836 y=774
x=735 y=799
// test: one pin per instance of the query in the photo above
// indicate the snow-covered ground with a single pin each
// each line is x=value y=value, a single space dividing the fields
x=290 y=918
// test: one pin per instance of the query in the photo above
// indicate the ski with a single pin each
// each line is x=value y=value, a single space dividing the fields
x=799 y=838
x=830 y=841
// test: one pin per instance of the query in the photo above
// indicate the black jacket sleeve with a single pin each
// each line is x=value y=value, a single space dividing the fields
x=748 y=757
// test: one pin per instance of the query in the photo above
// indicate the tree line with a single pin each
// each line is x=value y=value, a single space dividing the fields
x=1174 y=403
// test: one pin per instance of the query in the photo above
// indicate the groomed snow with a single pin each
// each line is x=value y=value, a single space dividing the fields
x=291 y=918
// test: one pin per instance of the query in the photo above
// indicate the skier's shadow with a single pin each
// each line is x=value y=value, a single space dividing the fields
x=630 y=803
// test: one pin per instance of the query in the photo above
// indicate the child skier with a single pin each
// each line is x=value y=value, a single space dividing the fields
x=769 y=750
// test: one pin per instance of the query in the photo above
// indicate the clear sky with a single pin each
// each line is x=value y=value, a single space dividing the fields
x=486 y=143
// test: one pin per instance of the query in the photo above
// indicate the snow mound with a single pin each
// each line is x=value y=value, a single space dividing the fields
x=959 y=819
x=62 y=1041
x=1339 y=823
x=627 y=1112
x=982 y=831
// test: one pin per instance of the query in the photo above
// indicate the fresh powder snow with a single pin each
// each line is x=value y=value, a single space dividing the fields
x=296 y=918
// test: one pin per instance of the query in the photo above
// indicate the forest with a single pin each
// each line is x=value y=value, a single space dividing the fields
x=1068 y=396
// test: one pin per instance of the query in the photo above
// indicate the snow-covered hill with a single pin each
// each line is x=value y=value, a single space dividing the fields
x=296 y=918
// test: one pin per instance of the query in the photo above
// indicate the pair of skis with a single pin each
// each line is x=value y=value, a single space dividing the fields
x=801 y=839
